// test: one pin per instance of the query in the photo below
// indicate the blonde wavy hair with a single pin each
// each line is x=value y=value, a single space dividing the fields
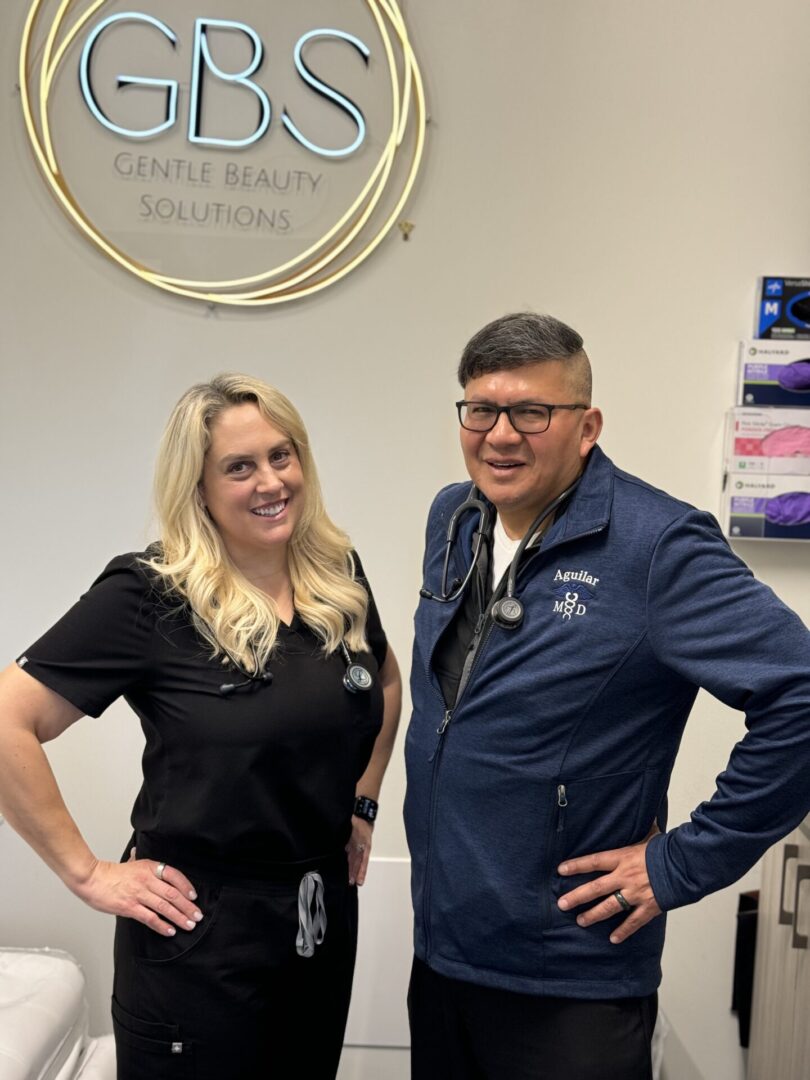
x=235 y=618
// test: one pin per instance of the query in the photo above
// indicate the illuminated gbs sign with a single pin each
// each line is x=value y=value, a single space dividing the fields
x=154 y=133
x=203 y=67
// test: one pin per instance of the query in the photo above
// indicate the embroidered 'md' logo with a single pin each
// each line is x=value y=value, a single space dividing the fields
x=572 y=593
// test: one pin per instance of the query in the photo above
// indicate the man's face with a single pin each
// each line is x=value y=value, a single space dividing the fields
x=520 y=474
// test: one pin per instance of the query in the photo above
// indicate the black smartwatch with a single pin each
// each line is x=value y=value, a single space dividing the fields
x=366 y=808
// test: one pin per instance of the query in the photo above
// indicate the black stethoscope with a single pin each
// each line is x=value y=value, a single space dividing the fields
x=508 y=611
x=356 y=679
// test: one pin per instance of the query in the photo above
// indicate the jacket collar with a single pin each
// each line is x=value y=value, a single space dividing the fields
x=588 y=509
x=590 y=505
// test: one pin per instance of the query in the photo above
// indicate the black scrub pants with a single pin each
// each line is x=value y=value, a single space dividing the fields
x=460 y=1031
x=232 y=999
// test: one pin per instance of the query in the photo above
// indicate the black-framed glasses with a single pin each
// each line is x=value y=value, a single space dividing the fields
x=527 y=417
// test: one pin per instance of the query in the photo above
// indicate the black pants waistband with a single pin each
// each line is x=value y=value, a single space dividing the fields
x=331 y=866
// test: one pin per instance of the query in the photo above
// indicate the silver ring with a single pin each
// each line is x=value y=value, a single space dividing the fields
x=625 y=905
x=161 y=866
x=360 y=848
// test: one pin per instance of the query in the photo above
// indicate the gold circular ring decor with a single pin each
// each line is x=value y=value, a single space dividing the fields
x=314 y=269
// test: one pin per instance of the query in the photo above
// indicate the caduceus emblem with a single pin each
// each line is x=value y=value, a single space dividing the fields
x=569 y=604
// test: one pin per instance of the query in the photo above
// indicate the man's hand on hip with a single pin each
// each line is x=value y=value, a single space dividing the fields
x=624 y=884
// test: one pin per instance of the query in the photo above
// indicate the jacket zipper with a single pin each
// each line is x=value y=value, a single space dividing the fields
x=483 y=629
x=435 y=758
x=552 y=849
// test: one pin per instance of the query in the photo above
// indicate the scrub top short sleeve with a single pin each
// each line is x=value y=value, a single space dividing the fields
x=100 y=649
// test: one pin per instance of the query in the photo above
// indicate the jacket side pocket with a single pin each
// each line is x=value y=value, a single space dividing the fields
x=591 y=814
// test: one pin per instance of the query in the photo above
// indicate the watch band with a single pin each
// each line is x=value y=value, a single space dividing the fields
x=366 y=808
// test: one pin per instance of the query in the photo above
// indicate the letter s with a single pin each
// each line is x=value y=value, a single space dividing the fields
x=328 y=92
x=128 y=80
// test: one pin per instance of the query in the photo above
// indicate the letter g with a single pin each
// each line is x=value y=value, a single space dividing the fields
x=128 y=80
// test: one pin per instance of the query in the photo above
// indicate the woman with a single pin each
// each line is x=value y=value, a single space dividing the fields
x=250 y=647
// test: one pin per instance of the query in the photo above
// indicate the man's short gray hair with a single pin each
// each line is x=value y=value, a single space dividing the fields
x=522 y=338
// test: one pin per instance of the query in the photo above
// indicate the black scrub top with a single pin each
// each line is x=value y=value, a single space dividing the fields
x=263 y=775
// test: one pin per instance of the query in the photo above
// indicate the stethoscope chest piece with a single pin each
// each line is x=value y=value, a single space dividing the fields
x=507 y=613
x=357 y=679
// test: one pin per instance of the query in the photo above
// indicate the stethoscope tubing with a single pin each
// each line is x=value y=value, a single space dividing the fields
x=357 y=679
x=508 y=611
x=470 y=503
x=528 y=536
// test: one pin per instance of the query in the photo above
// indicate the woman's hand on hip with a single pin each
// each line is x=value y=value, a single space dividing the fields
x=159 y=896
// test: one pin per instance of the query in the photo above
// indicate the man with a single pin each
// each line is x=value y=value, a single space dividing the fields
x=545 y=729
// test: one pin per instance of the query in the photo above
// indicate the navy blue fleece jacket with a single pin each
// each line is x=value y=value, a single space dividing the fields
x=564 y=739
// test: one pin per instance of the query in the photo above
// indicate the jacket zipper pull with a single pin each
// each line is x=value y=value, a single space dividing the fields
x=562 y=802
x=448 y=716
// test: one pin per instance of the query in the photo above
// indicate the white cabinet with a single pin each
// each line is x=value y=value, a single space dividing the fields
x=780 y=1023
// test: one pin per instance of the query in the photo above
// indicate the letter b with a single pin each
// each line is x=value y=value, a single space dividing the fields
x=202 y=53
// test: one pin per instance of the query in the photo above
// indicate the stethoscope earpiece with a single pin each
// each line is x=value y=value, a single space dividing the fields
x=452 y=594
x=228 y=688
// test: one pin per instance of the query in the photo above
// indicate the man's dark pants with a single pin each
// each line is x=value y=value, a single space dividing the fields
x=461 y=1031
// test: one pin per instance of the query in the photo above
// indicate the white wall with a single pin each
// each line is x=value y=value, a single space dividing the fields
x=631 y=166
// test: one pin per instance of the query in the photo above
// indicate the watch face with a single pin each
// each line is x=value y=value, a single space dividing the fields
x=365 y=808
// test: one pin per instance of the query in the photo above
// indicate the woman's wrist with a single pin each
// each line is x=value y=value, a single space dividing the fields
x=77 y=874
x=366 y=808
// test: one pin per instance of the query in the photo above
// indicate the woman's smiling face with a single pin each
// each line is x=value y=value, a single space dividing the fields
x=252 y=482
